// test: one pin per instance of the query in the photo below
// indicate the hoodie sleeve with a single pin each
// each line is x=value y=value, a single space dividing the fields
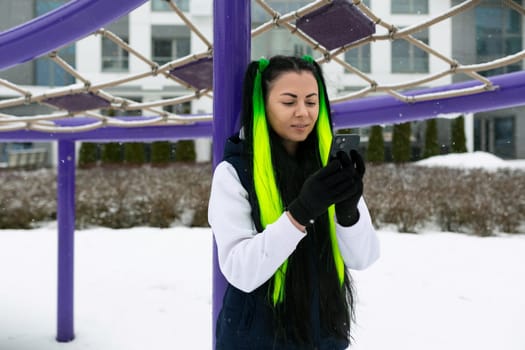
x=246 y=258
x=358 y=244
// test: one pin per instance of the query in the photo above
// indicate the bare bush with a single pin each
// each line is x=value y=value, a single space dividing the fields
x=473 y=201
x=116 y=196
x=406 y=196
x=396 y=195
x=27 y=197
x=122 y=197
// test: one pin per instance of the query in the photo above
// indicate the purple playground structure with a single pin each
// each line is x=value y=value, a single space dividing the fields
x=231 y=54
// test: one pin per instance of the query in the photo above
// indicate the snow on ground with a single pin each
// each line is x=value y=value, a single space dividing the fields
x=476 y=159
x=147 y=288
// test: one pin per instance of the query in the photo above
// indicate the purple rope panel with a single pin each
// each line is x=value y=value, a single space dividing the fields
x=336 y=24
x=198 y=74
x=232 y=40
x=57 y=28
x=78 y=102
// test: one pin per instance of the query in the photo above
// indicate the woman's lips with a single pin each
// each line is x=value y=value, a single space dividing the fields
x=300 y=126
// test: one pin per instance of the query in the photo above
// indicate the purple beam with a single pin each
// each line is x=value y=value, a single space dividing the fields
x=509 y=92
x=111 y=134
x=66 y=239
x=57 y=28
x=231 y=55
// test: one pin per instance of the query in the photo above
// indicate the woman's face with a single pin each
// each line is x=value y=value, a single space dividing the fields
x=292 y=107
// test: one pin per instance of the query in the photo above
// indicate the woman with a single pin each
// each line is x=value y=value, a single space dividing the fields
x=287 y=220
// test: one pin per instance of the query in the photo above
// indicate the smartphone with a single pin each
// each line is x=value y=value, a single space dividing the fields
x=344 y=142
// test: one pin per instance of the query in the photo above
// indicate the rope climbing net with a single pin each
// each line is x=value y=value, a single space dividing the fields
x=319 y=24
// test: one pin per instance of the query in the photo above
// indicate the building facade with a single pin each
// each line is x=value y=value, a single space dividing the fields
x=489 y=31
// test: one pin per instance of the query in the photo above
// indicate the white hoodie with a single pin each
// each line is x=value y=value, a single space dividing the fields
x=247 y=258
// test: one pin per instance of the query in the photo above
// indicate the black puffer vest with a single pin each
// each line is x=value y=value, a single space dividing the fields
x=246 y=320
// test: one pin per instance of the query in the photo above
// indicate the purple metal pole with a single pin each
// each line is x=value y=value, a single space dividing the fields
x=66 y=230
x=231 y=55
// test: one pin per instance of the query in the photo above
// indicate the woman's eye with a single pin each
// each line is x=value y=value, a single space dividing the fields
x=311 y=104
x=288 y=103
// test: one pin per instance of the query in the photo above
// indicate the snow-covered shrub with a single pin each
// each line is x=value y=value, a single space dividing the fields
x=473 y=201
x=122 y=197
x=397 y=195
x=406 y=196
x=27 y=197
x=508 y=191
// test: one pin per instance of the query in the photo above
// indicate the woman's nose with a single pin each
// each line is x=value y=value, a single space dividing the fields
x=301 y=110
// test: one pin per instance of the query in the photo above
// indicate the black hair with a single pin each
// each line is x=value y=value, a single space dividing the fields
x=336 y=303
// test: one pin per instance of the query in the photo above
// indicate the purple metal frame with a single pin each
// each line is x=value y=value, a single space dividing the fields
x=57 y=28
x=231 y=55
x=510 y=92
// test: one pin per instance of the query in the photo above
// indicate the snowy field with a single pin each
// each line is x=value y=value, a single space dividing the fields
x=146 y=288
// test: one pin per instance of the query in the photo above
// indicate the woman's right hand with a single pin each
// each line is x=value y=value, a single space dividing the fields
x=323 y=188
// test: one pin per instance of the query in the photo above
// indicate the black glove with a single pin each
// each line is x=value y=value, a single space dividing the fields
x=323 y=188
x=353 y=165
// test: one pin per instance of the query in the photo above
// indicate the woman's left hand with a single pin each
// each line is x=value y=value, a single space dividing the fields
x=346 y=210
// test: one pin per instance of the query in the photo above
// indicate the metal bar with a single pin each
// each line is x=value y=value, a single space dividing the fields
x=18 y=132
x=14 y=87
x=66 y=231
x=232 y=41
x=125 y=46
x=67 y=67
x=509 y=92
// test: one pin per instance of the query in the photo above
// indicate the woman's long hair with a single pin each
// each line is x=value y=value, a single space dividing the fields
x=289 y=291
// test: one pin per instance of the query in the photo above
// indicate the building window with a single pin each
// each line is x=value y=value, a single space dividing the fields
x=407 y=58
x=300 y=50
x=114 y=58
x=498 y=34
x=409 y=7
x=181 y=108
x=504 y=137
x=496 y=135
x=166 y=50
x=162 y=5
x=182 y=47
x=44 y=6
x=359 y=57
x=47 y=72
x=162 y=52
x=260 y=16
x=169 y=42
